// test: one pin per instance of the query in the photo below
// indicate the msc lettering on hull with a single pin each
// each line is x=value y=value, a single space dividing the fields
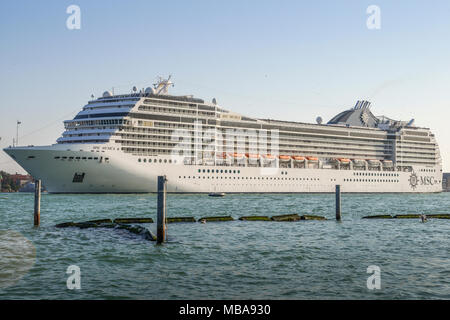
x=427 y=181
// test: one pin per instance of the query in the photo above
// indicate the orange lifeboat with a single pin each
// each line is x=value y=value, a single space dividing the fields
x=359 y=162
x=252 y=156
x=298 y=158
x=344 y=160
x=374 y=162
x=284 y=158
x=388 y=163
x=269 y=157
x=236 y=155
x=312 y=158
x=221 y=155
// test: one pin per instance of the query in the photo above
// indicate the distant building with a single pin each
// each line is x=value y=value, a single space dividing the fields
x=13 y=182
x=446 y=181
x=21 y=179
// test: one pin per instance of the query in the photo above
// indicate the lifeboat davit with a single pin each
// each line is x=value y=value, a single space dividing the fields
x=298 y=158
x=284 y=158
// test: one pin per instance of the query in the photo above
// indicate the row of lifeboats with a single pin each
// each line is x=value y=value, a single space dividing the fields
x=370 y=162
x=269 y=157
x=266 y=157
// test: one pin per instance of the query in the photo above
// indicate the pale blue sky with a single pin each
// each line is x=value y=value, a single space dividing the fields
x=287 y=60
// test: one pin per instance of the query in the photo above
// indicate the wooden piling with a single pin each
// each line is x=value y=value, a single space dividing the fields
x=37 y=203
x=161 y=214
x=338 y=202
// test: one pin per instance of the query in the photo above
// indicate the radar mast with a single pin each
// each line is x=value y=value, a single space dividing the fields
x=162 y=85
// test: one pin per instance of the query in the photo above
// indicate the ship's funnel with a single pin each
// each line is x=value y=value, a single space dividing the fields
x=362 y=104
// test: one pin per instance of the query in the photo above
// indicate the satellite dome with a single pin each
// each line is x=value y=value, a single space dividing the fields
x=107 y=94
x=319 y=120
x=150 y=90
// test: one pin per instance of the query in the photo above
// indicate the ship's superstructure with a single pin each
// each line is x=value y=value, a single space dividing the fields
x=121 y=143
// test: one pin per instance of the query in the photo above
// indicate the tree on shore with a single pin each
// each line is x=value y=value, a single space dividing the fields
x=7 y=183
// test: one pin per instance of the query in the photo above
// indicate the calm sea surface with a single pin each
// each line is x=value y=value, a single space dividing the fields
x=226 y=260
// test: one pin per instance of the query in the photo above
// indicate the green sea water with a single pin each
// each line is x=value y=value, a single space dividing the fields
x=227 y=260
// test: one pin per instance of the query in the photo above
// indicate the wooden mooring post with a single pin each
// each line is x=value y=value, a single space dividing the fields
x=37 y=202
x=161 y=214
x=338 y=202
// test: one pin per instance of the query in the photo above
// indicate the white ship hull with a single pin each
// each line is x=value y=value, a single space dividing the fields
x=122 y=173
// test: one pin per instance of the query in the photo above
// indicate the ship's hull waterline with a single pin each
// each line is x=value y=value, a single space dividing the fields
x=125 y=174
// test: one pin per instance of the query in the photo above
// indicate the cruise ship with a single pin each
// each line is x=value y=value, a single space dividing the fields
x=121 y=143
